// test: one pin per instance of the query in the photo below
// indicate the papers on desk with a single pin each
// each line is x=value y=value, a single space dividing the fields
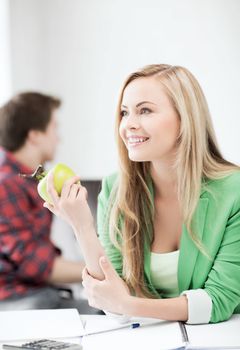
x=165 y=335
x=103 y=324
x=106 y=333
x=37 y=324
x=160 y=335
x=223 y=335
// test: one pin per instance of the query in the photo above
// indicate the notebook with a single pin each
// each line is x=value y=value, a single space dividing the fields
x=223 y=335
x=161 y=335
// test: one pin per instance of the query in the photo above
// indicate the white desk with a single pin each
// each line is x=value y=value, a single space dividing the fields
x=147 y=337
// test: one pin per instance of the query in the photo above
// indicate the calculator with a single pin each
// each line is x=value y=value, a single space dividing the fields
x=44 y=344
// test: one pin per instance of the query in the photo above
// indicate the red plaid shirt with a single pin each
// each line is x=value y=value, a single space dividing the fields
x=26 y=251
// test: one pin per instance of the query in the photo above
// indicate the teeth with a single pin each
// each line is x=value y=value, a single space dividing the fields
x=135 y=140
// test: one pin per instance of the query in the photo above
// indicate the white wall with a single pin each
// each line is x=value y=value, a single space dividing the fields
x=5 y=62
x=82 y=51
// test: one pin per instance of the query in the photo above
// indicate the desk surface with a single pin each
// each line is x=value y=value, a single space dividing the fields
x=142 y=338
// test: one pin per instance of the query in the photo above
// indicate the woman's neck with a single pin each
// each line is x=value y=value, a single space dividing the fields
x=164 y=180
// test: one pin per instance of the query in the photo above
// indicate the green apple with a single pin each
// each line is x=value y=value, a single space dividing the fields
x=61 y=173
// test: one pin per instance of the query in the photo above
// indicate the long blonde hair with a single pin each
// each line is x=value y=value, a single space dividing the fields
x=198 y=158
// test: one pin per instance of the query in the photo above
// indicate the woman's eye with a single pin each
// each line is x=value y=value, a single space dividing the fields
x=145 y=111
x=123 y=113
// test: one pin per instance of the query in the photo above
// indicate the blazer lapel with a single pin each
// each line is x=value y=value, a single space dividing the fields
x=188 y=250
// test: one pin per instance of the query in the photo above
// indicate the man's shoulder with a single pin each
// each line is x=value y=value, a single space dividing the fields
x=12 y=183
x=8 y=176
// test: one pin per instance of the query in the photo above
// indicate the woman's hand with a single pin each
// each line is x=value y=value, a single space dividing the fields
x=110 y=294
x=72 y=205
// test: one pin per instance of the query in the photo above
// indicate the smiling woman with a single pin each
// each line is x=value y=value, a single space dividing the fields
x=169 y=220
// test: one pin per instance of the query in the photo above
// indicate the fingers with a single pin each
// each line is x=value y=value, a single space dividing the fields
x=84 y=273
x=82 y=193
x=50 y=207
x=75 y=188
x=87 y=280
x=51 y=190
x=68 y=185
x=107 y=268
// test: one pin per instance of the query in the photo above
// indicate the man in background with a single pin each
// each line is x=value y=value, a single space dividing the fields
x=31 y=266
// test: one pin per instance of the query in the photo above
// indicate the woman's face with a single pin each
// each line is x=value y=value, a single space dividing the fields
x=149 y=124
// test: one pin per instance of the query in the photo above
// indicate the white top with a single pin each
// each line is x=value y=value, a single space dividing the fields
x=164 y=272
x=163 y=267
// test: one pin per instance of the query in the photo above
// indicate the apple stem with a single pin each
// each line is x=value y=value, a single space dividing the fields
x=38 y=174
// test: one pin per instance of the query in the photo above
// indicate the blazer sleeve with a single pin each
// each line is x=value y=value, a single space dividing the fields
x=111 y=251
x=223 y=282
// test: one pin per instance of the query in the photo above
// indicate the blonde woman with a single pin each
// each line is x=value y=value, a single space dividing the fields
x=169 y=221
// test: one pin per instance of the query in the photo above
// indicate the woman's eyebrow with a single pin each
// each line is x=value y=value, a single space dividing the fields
x=141 y=103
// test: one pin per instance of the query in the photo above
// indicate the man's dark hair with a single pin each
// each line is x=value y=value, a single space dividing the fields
x=24 y=112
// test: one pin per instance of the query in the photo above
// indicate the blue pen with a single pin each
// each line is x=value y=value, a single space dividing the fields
x=121 y=326
x=135 y=325
x=131 y=326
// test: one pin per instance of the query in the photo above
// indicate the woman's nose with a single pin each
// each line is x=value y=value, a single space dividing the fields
x=132 y=122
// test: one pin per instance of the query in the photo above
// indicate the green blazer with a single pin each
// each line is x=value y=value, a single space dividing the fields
x=217 y=219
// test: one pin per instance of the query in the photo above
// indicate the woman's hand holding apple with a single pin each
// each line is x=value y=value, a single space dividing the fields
x=65 y=197
x=72 y=204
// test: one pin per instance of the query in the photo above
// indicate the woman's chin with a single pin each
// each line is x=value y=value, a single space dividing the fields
x=137 y=158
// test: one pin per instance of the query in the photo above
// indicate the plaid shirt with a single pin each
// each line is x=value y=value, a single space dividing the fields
x=26 y=251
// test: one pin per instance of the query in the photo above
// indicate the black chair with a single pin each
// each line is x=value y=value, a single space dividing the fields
x=93 y=188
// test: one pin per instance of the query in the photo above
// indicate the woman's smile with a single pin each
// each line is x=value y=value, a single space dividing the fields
x=135 y=141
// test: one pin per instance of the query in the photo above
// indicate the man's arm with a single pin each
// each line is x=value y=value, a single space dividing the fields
x=65 y=271
x=25 y=242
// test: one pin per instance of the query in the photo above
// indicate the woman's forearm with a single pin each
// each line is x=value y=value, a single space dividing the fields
x=72 y=206
x=171 y=309
x=91 y=249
